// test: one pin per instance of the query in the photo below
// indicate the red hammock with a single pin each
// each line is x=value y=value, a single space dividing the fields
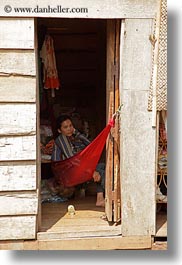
x=80 y=167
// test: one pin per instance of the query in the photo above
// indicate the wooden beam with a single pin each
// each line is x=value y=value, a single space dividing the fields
x=11 y=245
x=99 y=243
x=88 y=243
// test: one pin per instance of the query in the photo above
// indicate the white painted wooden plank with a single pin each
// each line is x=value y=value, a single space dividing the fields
x=17 y=89
x=19 y=62
x=17 y=177
x=17 y=119
x=95 y=8
x=137 y=54
x=16 y=33
x=12 y=203
x=18 y=148
x=17 y=227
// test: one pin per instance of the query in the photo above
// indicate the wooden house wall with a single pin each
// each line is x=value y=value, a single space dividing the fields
x=18 y=188
x=18 y=139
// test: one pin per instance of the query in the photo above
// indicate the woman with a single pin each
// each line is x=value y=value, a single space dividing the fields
x=69 y=142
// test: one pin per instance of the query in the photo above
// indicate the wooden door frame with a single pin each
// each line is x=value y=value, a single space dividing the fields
x=112 y=95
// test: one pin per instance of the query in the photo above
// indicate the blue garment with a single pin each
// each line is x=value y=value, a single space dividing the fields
x=101 y=169
x=66 y=147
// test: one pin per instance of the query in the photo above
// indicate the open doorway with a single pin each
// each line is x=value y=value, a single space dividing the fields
x=80 y=47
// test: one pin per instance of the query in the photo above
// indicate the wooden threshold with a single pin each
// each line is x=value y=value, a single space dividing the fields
x=87 y=221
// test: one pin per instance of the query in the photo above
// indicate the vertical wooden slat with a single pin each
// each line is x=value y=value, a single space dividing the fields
x=116 y=161
x=112 y=208
x=116 y=177
x=122 y=41
x=110 y=111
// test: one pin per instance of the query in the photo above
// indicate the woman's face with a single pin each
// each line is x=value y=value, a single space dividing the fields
x=66 y=128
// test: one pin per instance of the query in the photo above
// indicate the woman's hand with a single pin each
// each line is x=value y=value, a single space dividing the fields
x=96 y=176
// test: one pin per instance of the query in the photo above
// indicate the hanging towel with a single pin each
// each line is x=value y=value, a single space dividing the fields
x=50 y=75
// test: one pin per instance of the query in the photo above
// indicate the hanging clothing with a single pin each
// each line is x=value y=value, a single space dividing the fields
x=50 y=74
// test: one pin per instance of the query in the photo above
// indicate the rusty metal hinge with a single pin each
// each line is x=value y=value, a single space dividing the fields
x=152 y=39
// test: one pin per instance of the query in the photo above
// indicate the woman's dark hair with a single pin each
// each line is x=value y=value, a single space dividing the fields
x=61 y=119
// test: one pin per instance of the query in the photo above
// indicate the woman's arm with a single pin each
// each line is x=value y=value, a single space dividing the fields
x=82 y=137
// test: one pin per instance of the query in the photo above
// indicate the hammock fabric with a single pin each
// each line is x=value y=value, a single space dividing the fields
x=80 y=167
